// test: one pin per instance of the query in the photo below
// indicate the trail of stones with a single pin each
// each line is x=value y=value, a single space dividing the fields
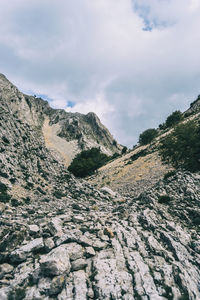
x=72 y=250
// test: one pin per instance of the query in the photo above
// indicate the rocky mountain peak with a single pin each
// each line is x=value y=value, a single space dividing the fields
x=65 y=134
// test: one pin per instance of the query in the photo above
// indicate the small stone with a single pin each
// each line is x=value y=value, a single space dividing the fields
x=56 y=285
x=5 y=269
x=71 y=236
x=79 y=264
x=98 y=245
x=85 y=241
x=78 y=219
x=33 y=229
x=89 y=251
x=107 y=190
x=49 y=244
x=90 y=293
x=55 y=226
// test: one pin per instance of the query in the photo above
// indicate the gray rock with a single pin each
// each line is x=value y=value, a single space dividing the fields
x=79 y=264
x=56 y=262
x=33 y=229
x=55 y=226
x=49 y=244
x=89 y=252
x=23 y=252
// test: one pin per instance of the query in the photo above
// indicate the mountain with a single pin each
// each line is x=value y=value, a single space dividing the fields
x=142 y=166
x=63 y=238
x=65 y=134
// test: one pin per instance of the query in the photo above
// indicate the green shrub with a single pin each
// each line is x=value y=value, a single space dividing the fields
x=58 y=194
x=174 y=118
x=181 y=147
x=164 y=199
x=169 y=174
x=4 y=197
x=124 y=150
x=147 y=136
x=86 y=162
x=3 y=187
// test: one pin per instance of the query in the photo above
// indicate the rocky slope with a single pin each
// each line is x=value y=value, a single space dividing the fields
x=61 y=238
x=141 y=167
x=98 y=245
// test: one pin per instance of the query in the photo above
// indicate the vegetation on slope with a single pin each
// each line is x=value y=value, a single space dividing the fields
x=86 y=162
x=181 y=148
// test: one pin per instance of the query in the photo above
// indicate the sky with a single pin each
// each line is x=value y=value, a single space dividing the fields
x=132 y=62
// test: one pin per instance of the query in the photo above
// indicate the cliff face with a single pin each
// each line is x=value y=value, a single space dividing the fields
x=65 y=134
x=61 y=238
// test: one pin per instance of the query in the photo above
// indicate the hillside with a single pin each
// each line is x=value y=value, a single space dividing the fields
x=141 y=167
x=62 y=238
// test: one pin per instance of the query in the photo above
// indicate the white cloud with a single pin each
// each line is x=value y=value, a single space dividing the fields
x=96 y=54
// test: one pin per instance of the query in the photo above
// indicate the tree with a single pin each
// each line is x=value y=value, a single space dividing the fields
x=147 y=136
x=174 y=118
x=124 y=150
x=86 y=162
x=181 y=148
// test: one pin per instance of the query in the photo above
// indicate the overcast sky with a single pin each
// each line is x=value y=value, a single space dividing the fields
x=131 y=62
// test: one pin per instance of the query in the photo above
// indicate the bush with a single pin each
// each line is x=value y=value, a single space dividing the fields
x=164 y=199
x=58 y=194
x=169 y=174
x=86 y=162
x=181 y=147
x=173 y=119
x=4 y=197
x=147 y=136
x=124 y=150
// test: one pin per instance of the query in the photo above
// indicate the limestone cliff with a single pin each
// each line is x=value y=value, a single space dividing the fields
x=65 y=134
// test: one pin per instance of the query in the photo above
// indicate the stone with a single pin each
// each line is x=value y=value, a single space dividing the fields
x=70 y=236
x=49 y=244
x=23 y=252
x=107 y=190
x=56 y=262
x=55 y=226
x=89 y=252
x=79 y=264
x=33 y=229
x=78 y=219
x=5 y=269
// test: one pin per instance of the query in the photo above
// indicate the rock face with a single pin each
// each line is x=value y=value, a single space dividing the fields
x=65 y=134
x=61 y=238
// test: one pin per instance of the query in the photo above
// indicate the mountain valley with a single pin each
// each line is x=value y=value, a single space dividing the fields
x=126 y=232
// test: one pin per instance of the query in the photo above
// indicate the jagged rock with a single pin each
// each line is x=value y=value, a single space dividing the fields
x=5 y=269
x=89 y=252
x=56 y=262
x=23 y=252
x=33 y=229
x=55 y=226
x=49 y=244
x=79 y=264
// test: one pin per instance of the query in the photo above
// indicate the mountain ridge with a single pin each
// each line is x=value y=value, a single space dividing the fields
x=86 y=131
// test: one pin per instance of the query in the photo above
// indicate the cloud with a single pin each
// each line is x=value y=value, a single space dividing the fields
x=131 y=62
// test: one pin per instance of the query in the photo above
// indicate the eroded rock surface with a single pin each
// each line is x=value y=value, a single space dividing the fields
x=152 y=253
